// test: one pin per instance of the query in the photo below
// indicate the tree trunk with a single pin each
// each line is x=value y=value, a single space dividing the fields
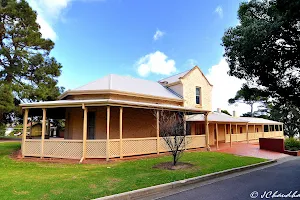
x=174 y=159
x=251 y=110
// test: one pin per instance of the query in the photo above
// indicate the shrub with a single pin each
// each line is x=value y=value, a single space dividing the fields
x=2 y=130
x=292 y=144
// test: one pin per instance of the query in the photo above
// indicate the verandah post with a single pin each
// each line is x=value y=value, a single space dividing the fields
x=157 y=132
x=230 y=131
x=43 y=131
x=217 y=135
x=225 y=132
x=206 y=131
x=121 y=132
x=107 y=131
x=25 y=119
x=84 y=137
x=247 y=131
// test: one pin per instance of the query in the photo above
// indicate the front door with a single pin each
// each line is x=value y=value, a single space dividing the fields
x=91 y=125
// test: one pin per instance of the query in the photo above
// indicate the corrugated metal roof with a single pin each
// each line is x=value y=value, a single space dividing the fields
x=78 y=103
x=174 y=78
x=222 y=117
x=130 y=85
x=216 y=117
x=256 y=120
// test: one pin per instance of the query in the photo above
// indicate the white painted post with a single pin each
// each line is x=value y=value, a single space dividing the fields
x=43 y=132
x=121 y=131
x=107 y=132
x=25 y=119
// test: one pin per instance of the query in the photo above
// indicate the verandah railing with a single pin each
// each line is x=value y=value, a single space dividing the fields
x=97 y=148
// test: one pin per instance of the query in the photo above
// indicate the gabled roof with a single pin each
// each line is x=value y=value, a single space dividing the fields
x=174 y=78
x=126 y=84
x=177 y=77
x=217 y=117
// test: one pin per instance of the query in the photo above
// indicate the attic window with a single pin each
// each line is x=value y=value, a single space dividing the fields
x=198 y=95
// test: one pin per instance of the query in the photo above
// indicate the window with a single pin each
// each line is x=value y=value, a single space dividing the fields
x=198 y=95
x=241 y=129
x=257 y=130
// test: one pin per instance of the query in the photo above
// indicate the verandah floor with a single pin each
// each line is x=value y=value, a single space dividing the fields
x=244 y=149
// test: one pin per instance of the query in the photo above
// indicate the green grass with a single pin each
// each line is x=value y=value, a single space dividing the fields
x=31 y=180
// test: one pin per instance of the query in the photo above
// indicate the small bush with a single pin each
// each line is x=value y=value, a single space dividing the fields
x=2 y=130
x=292 y=144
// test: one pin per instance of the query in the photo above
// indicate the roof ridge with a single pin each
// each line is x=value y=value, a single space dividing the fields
x=87 y=83
x=174 y=75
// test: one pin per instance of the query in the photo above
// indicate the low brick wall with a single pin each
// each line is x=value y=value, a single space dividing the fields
x=272 y=144
x=292 y=153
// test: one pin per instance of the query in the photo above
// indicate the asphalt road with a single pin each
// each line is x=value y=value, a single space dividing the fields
x=283 y=178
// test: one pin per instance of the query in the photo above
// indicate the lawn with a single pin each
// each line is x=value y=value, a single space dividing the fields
x=25 y=180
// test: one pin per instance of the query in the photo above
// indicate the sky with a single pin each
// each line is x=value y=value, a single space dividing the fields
x=149 y=39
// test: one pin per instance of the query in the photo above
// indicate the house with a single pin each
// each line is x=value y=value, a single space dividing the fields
x=118 y=116
x=229 y=129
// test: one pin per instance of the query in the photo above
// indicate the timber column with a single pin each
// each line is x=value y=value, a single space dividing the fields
x=207 y=131
x=43 y=131
x=84 y=137
x=25 y=119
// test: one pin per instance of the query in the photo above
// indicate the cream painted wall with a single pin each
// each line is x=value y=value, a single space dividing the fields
x=178 y=88
x=137 y=123
x=196 y=79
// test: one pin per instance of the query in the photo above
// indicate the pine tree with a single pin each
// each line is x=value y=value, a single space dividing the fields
x=27 y=71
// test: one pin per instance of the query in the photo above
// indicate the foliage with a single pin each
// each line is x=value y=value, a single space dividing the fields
x=172 y=129
x=264 y=47
x=289 y=114
x=17 y=129
x=225 y=112
x=27 y=72
x=249 y=96
x=292 y=144
x=2 y=130
x=30 y=180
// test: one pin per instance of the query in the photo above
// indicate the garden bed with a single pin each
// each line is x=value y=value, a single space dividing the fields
x=292 y=147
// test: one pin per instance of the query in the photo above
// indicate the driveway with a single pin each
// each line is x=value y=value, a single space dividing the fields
x=283 y=178
x=251 y=149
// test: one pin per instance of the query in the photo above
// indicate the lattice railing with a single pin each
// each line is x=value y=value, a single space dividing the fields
x=32 y=147
x=191 y=141
x=237 y=137
x=259 y=135
x=137 y=146
x=63 y=148
x=114 y=148
x=278 y=134
x=96 y=148
x=195 y=141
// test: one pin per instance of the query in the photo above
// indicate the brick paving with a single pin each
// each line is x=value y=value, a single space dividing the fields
x=251 y=149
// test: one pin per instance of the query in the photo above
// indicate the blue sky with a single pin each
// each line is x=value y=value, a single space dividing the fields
x=149 y=39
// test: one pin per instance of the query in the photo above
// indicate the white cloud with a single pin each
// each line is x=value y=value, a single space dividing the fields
x=191 y=63
x=224 y=88
x=219 y=11
x=158 y=34
x=157 y=63
x=46 y=30
x=49 y=11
